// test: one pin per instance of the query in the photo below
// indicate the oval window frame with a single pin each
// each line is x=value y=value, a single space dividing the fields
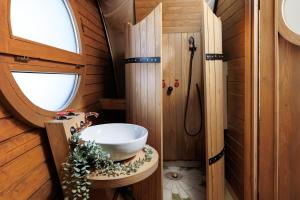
x=284 y=29
x=11 y=95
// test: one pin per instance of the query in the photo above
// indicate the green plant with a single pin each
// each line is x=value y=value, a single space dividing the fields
x=86 y=158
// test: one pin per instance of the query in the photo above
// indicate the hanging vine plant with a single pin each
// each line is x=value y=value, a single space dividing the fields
x=87 y=157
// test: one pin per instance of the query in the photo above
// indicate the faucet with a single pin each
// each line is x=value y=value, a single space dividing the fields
x=87 y=123
x=90 y=114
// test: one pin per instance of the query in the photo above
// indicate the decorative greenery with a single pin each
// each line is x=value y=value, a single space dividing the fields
x=86 y=158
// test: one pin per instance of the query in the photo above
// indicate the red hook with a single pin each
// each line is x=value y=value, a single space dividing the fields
x=70 y=112
x=61 y=115
x=163 y=84
x=176 y=84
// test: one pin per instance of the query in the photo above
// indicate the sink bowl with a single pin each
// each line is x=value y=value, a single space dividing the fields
x=121 y=141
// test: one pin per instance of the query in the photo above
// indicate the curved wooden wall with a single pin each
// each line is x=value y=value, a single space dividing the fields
x=144 y=92
x=236 y=16
x=26 y=167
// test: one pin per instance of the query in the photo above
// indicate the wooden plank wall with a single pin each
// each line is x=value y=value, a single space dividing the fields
x=144 y=92
x=176 y=58
x=178 y=15
x=232 y=13
x=99 y=80
x=214 y=102
x=26 y=167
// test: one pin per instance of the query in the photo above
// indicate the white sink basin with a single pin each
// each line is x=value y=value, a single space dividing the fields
x=121 y=141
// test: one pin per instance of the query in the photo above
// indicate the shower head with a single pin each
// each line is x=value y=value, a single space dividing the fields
x=192 y=46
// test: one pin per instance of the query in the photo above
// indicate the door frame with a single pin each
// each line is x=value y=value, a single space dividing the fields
x=251 y=99
x=268 y=100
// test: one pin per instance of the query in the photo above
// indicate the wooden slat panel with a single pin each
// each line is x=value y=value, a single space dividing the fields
x=15 y=146
x=94 y=79
x=113 y=104
x=223 y=5
x=236 y=71
x=31 y=182
x=176 y=58
x=98 y=65
x=139 y=47
x=234 y=145
x=236 y=88
x=143 y=92
x=178 y=16
x=213 y=95
x=158 y=100
x=234 y=51
x=15 y=170
x=236 y=106
x=92 y=98
x=288 y=120
x=233 y=15
x=144 y=85
x=169 y=115
x=11 y=127
x=235 y=182
x=234 y=6
x=47 y=191
x=3 y=112
x=219 y=105
x=238 y=16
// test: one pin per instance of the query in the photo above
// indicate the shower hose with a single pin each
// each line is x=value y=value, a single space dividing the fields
x=192 y=48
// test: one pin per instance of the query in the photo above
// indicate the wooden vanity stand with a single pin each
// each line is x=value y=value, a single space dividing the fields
x=59 y=133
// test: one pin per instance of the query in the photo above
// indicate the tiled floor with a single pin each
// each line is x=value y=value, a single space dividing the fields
x=191 y=186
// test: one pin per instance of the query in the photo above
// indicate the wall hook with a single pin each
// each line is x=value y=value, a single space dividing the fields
x=176 y=83
x=163 y=83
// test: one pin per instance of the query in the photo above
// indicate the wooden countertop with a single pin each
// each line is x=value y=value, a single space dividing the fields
x=146 y=170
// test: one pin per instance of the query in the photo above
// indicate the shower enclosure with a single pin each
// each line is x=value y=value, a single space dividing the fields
x=174 y=88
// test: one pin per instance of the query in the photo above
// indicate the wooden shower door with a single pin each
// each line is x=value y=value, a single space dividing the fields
x=213 y=101
x=144 y=91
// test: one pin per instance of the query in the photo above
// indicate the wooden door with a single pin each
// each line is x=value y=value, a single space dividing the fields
x=144 y=91
x=213 y=101
x=279 y=103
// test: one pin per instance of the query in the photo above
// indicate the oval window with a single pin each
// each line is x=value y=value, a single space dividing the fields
x=291 y=15
x=44 y=62
x=48 y=22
